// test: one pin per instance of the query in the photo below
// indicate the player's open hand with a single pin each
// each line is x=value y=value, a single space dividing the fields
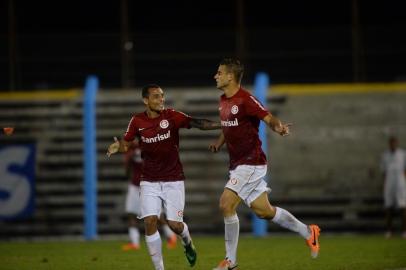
x=214 y=147
x=113 y=148
x=283 y=129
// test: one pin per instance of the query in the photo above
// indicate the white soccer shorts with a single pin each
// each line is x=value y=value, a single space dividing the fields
x=167 y=195
x=394 y=193
x=133 y=200
x=248 y=182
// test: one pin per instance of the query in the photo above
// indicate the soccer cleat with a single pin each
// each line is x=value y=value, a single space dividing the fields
x=130 y=246
x=313 y=241
x=226 y=265
x=171 y=243
x=190 y=253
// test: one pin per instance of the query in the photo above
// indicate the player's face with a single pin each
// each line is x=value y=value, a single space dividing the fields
x=393 y=144
x=222 y=77
x=155 y=101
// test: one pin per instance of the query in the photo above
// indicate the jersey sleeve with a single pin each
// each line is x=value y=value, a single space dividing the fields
x=181 y=119
x=131 y=131
x=254 y=108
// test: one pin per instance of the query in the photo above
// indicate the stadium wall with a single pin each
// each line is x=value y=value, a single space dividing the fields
x=325 y=172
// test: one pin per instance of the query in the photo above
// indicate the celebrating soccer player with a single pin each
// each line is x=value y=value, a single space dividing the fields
x=162 y=178
x=240 y=114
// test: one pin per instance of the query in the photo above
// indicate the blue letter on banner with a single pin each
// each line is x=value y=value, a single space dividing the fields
x=17 y=176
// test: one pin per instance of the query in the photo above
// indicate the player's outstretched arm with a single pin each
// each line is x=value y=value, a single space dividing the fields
x=276 y=125
x=215 y=146
x=118 y=146
x=204 y=124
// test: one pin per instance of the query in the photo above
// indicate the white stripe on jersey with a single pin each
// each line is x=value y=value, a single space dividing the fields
x=129 y=124
x=258 y=103
x=182 y=113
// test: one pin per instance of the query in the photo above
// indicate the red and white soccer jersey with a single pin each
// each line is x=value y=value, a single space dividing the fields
x=240 y=116
x=159 y=142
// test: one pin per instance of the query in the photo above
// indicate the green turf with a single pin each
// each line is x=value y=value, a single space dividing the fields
x=278 y=252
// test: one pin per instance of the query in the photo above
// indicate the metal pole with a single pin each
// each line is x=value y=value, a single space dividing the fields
x=357 y=51
x=12 y=46
x=90 y=157
x=240 y=32
x=260 y=226
x=126 y=48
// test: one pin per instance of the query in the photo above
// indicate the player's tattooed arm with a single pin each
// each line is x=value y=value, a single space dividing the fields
x=204 y=124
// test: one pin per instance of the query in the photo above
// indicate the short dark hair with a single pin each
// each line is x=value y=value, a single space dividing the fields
x=145 y=89
x=234 y=66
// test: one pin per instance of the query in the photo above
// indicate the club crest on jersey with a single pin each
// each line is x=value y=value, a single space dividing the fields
x=164 y=124
x=234 y=109
x=234 y=181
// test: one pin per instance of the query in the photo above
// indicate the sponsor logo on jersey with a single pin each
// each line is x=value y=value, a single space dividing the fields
x=230 y=123
x=234 y=109
x=164 y=124
x=157 y=138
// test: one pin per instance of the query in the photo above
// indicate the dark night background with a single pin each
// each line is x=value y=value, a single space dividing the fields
x=56 y=44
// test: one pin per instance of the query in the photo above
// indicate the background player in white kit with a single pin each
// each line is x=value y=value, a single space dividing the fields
x=133 y=164
x=240 y=114
x=162 y=177
x=393 y=166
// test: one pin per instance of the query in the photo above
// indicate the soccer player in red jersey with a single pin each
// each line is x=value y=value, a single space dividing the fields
x=240 y=114
x=162 y=178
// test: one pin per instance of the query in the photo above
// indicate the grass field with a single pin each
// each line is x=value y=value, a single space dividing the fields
x=275 y=252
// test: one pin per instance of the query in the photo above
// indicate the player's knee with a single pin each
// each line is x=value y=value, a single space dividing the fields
x=151 y=222
x=175 y=226
x=225 y=207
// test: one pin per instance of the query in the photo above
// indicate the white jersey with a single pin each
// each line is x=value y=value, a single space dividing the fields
x=394 y=166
